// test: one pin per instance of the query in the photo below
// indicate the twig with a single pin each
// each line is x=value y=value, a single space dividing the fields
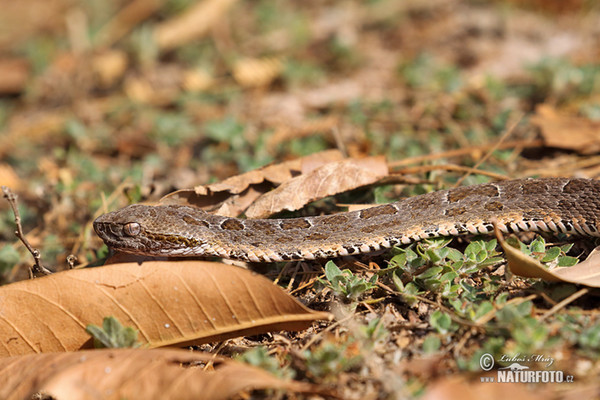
x=37 y=257
x=467 y=150
x=564 y=303
x=310 y=282
x=331 y=327
x=338 y=140
x=449 y=167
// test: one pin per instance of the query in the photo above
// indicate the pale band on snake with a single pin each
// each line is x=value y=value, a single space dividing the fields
x=544 y=205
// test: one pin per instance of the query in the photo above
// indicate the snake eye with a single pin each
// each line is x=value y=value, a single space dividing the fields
x=132 y=229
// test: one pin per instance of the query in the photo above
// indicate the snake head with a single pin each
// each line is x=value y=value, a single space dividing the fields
x=153 y=230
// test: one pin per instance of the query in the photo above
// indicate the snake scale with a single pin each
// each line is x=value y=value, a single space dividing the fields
x=547 y=204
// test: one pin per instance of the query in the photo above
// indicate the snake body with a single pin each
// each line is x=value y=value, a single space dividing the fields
x=548 y=204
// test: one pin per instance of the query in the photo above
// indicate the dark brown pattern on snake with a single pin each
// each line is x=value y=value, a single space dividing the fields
x=550 y=204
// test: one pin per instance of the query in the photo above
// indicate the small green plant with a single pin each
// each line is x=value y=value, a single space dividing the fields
x=426 y=72
x=408 y=292
x=494 y=346
x=442 y=322
x=518 y=322
x=555 y=256
x=345 y=283
x=259 y=357
x=431 y=344
x=589 y=339
x=112 y=334
x=433 y=266
x=9 y=257
x=561 y=80
x=329 y=359
x=374 y=330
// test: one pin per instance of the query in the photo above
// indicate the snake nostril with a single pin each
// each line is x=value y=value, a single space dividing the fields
x=116 y=230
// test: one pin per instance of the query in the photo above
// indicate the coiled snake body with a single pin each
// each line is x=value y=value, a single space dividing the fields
x=549 y=204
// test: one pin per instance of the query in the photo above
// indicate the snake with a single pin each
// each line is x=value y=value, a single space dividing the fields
x=556 y=205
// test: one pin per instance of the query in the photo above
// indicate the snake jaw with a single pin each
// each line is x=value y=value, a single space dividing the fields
x=113 y=235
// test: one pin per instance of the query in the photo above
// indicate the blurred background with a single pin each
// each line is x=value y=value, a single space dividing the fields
x=108 y=102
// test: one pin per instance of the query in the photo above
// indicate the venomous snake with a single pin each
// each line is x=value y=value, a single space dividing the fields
x=547 y=204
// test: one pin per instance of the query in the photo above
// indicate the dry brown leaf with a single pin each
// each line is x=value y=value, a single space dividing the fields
x=567 y=131
x=460 y=388
x=334 y=93
x=330 y=179
x=35 y=127
x=132 y=374
x=128 y=17
x=22 y=20
x=192 y=24
x=9 y=178
x=109 y=66
x=159 y=85
x=14 y=73
x=197 y=80
x=256 y=72
x=235 y=194
x=170 y=303
x=585 y=273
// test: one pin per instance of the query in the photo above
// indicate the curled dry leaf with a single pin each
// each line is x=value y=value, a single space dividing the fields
x=235 y=194
x=169 y=303
x=132 y=374
x=324 y=181
x=585 y=273
x=567 y=131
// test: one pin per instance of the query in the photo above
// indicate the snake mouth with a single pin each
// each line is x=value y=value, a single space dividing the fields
x=113 y=235
x=109 y=233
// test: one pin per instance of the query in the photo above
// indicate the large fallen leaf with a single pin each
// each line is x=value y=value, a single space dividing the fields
x=132 y=374
x=330 y=179
x=585 y=273
x=170 y=303
x=235 y=194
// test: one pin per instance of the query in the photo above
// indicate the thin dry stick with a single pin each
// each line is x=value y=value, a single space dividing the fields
x=563 y=303
x=463 y=341
x=309 y=283
x=338 y=140
x=506 y=134
x=331 y=327
x=467 y=150
x=450 y=167
x=37 y=267
x=487 y=317
x=281 y=273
